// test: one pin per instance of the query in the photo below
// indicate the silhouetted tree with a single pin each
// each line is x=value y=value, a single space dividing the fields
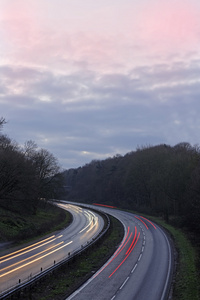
x=26 y=174
x=160 y=180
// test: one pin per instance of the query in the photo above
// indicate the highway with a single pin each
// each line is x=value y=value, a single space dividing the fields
x=23 y=264
x=140 y=269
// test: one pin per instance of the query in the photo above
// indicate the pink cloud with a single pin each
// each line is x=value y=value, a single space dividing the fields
x=33 y=36
x=18 y=20
x=170 y=25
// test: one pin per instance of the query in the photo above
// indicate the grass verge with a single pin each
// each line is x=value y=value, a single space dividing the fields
x=17 y=229
x=186 y=286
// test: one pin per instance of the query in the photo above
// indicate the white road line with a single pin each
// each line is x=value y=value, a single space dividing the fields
x=134 y=268
x=98 y=272
x=142 y=248
x=113 y=297
x=140 y=257
x=124 y=283
x=169 y=267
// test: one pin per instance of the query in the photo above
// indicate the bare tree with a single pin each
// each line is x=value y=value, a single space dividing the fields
x=30 y=148
x=46 y=164
x=18 y=180
x=2 y=122
x=47 y=169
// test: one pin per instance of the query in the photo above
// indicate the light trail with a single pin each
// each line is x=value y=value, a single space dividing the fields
x=109 y=206
x=125 y=257
x=133 y=246
x=95 y=221
x=122 y=242
x=91 y=228
x=142 y=222
x=31 y=249
x=23 y=260
x=85 y=227
x=149 y=222
x=116 y=253
x=89 y=217
x=34 y=260
x=2 y=257
x=132 y=241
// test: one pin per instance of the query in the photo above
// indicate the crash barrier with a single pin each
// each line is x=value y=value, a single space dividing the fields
x=42 y=273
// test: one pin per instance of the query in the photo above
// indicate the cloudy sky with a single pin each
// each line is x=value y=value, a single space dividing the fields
x=90 y=79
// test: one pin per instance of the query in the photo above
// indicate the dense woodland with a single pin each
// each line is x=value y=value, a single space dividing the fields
x=159 y=180
x=27 y=174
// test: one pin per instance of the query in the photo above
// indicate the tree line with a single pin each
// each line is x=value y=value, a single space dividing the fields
x=160 y=180
x=27 y=174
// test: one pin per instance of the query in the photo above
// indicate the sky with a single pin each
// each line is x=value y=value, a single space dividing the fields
x=89 y=79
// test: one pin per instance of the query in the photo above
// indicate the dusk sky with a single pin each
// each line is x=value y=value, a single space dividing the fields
x=89 y=79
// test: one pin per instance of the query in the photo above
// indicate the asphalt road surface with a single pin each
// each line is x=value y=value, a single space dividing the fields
x=140 y=269
x=23 y=264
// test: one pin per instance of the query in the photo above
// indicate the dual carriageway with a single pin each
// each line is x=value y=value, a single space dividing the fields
x=140 y=268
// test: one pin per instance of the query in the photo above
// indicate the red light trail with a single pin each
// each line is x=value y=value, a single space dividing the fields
x=132 y=241
x=149 y=222
x=104 y=205
x=123 y=244
x=126 y=256
x=142 y=222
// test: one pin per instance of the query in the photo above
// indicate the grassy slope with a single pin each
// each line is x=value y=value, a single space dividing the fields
x=19 y=228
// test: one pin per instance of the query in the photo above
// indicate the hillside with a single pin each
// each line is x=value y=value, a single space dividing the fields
x=160 y=180
x=16 y=228
x=29 y=176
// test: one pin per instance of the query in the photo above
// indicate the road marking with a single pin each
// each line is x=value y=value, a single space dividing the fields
x=117 y=252
x=134 y=268
x=113 y=297
x=140 y=257
x=94 y=276
x=142 y=222
x=143 y=243
x=149 y=222
x=142 y=248
x=169 y=267
x=124 y=283
x=126 y=256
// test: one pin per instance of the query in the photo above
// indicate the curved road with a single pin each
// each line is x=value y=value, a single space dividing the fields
x=140 y=269
x=23 y=264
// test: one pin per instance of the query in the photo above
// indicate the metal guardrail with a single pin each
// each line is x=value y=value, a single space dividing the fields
x=37 y=277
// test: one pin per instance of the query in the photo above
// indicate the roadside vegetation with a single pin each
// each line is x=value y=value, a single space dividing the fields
x=16 y=229
x=27 y=175
x=186 y=279
x=162 y=181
